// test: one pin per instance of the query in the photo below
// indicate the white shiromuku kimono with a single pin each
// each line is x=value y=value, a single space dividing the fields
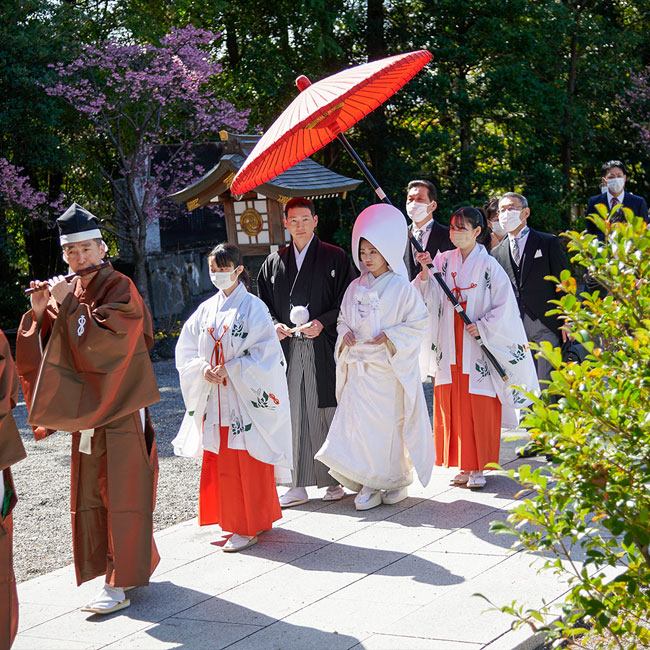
x=381 y=427
x=254 y=403
x=492 y=305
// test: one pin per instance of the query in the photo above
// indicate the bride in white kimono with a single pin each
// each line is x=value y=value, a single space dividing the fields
x=232 y=376
x=381 y=427
x=468 y=392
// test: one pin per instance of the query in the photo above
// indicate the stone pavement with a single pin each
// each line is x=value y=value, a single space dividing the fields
x=326 y=577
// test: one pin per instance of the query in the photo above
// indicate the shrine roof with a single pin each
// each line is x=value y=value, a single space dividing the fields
x=307 y=178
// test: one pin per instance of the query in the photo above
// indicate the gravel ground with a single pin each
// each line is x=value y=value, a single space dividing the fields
x=42 y=531
x=42 y=535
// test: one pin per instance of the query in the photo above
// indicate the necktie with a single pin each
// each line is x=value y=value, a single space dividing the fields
x=514 y=247
x=614 y=202
x=419 y=235
x=514 y=244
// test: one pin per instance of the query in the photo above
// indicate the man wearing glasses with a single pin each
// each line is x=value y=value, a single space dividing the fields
x=528 y=256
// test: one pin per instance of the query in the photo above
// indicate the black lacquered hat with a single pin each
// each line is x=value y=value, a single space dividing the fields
x=77 y=224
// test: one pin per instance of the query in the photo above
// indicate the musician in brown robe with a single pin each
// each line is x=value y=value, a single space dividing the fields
x=11 y=451
x=83 y=357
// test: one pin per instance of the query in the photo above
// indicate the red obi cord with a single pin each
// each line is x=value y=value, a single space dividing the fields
x=456 y=289
x=217 y=359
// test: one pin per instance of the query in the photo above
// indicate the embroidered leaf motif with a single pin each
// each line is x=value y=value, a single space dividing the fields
x=190 y=413
x=488 y=279
x=482 y=369
x=263 y=400
x=237 y=425
x=238 y=330
x=518 y=353
x=518 y=398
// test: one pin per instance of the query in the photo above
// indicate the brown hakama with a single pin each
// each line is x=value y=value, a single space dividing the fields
x=87 y=367
x=11 y=451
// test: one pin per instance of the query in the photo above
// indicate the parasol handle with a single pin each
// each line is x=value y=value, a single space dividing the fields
x=364 y=170
x=439 y=279
x=461 y=312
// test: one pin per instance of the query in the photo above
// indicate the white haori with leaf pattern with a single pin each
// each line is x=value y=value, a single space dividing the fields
x=255 y=395
x=493 y=307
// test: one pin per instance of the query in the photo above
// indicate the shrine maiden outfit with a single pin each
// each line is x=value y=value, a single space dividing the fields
x=86 y=369
x=468 y=393
x=381 y=427
x=241 y=429
x=11 y=451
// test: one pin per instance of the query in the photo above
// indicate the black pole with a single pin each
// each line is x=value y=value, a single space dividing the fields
x=443 y=285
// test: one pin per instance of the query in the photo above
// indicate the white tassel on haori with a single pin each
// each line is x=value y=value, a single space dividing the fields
x=299 y=315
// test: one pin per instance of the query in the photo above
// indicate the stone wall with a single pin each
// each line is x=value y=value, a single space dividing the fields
x=178 y=281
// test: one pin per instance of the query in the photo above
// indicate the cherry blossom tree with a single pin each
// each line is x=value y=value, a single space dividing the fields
x=136 y=97
x=635 y=101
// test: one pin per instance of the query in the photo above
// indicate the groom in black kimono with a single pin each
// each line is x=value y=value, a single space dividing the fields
x=314 y=275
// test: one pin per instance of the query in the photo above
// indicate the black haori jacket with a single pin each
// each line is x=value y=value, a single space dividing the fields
x=325 y=275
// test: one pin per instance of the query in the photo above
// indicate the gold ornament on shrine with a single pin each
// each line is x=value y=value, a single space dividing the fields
x=251 y=222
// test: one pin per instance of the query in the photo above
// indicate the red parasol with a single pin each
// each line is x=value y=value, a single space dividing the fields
x=320 y=114
x=322 y=111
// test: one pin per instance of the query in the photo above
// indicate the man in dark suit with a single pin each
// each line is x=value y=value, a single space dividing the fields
x=421 y=203
x=528 y=256
x=614 y=178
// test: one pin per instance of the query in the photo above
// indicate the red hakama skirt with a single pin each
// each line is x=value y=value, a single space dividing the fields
x=237 y=491
x=467 y=428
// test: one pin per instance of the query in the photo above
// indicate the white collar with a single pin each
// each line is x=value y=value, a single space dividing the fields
x=619 y=198
x=300 y=256
x=427 y=225
x=224 y=301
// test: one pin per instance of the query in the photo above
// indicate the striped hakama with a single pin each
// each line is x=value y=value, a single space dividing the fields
x=309 y=423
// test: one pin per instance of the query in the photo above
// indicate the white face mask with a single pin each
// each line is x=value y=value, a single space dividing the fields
x=510 y=220
x=497 y=228
x=461 y=239
x=416 y=212
x=615 y=185
x=223 y=279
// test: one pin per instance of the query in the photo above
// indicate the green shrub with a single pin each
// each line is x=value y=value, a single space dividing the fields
x=594 y=418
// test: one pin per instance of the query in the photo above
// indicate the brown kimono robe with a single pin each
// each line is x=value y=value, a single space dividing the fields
x=11 y=451
x=87 y=367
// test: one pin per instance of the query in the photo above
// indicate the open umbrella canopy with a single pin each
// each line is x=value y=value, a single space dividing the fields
x=323 y=110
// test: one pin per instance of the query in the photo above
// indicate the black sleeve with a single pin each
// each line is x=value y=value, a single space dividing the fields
x=557 y=258
x=265 y=289
x=344 y=275
x=643 y=209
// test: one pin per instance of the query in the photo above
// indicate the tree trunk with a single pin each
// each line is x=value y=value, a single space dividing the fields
x=232 y=46
x=466 y=159
x=567 y=136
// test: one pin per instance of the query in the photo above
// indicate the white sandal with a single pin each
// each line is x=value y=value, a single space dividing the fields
x=108 y=600
x=476 y=481
x=238 y=543
x=334 y=493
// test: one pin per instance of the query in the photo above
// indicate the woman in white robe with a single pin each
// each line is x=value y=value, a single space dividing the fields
x=380 y=430
x=232 y=376
x=468 y=392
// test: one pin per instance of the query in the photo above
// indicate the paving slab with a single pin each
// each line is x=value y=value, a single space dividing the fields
x=399 y=577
